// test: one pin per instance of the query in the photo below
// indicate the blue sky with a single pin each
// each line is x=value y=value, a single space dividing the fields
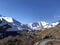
x=27 y=11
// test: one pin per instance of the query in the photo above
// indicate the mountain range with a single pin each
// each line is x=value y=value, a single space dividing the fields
x=18 y=26
x=42 y=25
x=10 y=32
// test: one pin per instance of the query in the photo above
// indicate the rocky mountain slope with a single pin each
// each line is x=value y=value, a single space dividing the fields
x=18 y=26
x=15 y=25
x=42 y=25
x=43 y=31
x=49 y=36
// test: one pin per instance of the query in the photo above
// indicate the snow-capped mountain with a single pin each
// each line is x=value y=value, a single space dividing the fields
x=14 y=25
x=42 y=25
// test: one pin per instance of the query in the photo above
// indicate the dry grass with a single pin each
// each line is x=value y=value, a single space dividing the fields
x=17 y=40
x=51 y=33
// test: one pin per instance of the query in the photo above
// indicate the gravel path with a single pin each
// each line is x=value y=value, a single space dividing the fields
x=43 y=42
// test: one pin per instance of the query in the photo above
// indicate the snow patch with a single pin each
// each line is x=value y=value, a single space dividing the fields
x=8 y=19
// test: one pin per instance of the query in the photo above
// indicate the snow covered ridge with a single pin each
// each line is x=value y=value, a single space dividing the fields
x=8 y=19
x=51 y=25
x=17 y=26
x=42 y=25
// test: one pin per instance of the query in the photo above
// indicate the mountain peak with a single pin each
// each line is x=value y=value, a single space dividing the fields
x=42 y=24
x=8 y=19
x=35 y=25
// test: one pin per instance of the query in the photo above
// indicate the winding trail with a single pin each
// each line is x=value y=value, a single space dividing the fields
x=43 y=42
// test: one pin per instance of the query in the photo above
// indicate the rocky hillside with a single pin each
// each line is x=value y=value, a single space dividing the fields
x=13 y=32
x=30 y=38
